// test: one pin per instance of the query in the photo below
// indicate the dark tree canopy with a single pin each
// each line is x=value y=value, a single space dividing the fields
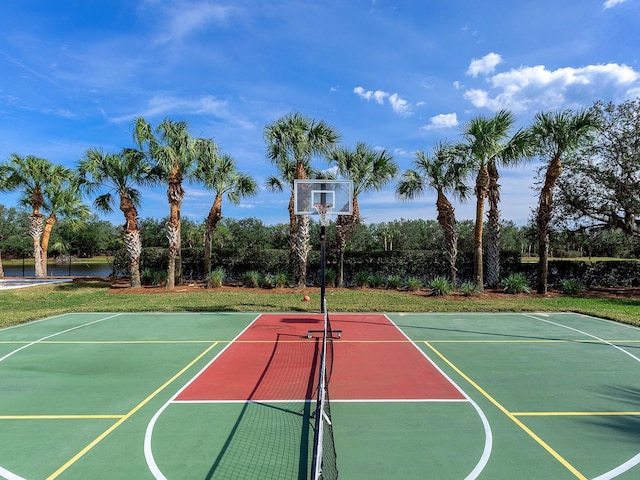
x=600 y=186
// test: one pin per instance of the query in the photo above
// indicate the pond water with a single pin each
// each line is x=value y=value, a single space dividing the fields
x=76 y=269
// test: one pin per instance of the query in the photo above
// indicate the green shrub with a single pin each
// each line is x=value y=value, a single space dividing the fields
x=282 y=280
x=362 y=279
x=571 y=287
x=153 y=277
x=469 y=289
x=251 y=279
x=440 y=286
x=414 y=284
x=374 y=281
x=394 y=281
x=330 y=277
x=215 y=278
x=268 y=281
x=515 y=283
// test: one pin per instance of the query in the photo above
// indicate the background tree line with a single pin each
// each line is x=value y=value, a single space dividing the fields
x=596 y=147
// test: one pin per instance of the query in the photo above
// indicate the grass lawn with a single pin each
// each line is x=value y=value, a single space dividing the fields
x=22 y=305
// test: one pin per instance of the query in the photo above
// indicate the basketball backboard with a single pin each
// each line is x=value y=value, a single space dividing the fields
x=333 y=195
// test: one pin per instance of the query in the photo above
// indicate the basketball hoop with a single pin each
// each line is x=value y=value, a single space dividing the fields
x=324 y=210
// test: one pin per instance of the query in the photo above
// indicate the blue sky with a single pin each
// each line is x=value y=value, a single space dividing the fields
x=400 y=75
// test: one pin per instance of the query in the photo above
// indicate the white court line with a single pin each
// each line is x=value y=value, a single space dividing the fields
x=148 y=451
x=4 y=472
x=633 y=461
x=488 y=435
x=56 y=334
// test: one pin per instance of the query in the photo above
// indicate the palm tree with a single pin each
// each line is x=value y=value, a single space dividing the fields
x=31 y=174
x=279 y=183
x=445 y=172
x=218 y=173
x=556 y=134
x=173 y=149
x=62 y=198
x=295 y=139
x=484 y=141
x=516 y=149
x=369 y=170
x=118 y=176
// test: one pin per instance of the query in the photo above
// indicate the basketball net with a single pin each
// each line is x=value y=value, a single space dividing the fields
x=324 y=210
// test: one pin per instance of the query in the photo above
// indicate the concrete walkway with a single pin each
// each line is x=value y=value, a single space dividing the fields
x=7 y=283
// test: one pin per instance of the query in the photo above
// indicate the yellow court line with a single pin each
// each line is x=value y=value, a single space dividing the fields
x=575 y=414
x=511 y=416
x=60 y=417
x=104 y=434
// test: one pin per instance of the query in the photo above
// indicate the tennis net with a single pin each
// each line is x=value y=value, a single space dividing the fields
x=324 y=466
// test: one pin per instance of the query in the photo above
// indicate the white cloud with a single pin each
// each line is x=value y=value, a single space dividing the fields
x=444 y=120
x=187 y=17
x=536 y=87
x=484 y=65
x=612 y=3
x=398 y=104
x=163 y=105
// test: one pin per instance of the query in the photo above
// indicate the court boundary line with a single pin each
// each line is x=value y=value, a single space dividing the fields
x=508 y=414
x=488 y=444
x=61 y=417
x=355 y=400
x=148 y=434
x=635 y=460
x=35 y=342
x=135 y=409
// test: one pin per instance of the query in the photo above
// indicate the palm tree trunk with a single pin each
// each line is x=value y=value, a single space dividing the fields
x=302 y=249
x=493 y=228
x=175 y=194
x=543 y=219
x=341 y=236
x=44 y=241
x=133 y=244
x=131 y=239
x=447 y=221
x=36 y=226
x=215 y=214
x=293 y=228
x=482 y=186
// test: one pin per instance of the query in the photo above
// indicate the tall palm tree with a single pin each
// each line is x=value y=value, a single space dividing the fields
x=172 y=148
x=445 y=172
x=31 y=174
x=218 y=173
x=369 y=170
x=556 y=134
x=295 y=139
x=116 y=177
x=484 y=140
x=62 y=199
x=516 y=149
x=284 y=180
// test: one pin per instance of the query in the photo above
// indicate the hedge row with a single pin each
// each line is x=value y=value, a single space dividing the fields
x=425 y=265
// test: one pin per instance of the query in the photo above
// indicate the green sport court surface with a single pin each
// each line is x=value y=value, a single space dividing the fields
x=227 y=395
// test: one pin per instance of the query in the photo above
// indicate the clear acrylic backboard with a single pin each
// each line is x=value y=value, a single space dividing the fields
x=311 y=197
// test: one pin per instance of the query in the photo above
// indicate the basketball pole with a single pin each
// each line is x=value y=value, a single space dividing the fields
x=323 y=260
